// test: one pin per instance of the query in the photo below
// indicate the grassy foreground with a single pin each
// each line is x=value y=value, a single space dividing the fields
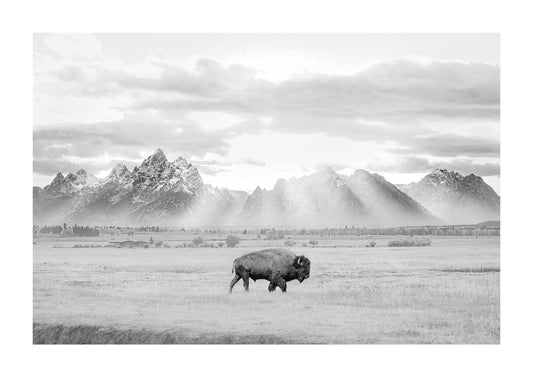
x=445 y=293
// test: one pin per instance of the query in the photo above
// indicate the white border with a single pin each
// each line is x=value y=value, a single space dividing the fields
x=20 y=19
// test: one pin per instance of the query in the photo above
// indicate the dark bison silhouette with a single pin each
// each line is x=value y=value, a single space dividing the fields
x=275 y=265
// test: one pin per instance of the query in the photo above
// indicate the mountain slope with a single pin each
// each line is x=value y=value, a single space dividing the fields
x=327 y=198
x=385 y=202
x=455 y=198
x=318 y=199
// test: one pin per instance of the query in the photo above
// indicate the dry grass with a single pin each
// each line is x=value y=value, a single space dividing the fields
x=448 y=293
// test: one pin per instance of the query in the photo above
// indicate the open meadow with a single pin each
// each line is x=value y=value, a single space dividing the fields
x=448 y=292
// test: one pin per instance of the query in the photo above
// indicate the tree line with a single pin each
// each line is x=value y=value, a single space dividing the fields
x=65 y=230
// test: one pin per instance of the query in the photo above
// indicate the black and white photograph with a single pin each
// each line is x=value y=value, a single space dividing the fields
x=281 y=188
x=266 y=188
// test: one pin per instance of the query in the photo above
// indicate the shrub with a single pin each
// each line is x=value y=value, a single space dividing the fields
x=159 y=244
x=371 y=244
x=220 y=244
x=232 y=241
x=411 y=242
x=289 y=243
x=313 y=243
x=197 y=241
x=275 y=235
x=304 y=244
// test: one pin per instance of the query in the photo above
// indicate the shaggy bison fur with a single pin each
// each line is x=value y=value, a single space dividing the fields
x=275 y=265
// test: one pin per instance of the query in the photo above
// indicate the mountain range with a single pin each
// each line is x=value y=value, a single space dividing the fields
x=455 y=198
x=163 y=192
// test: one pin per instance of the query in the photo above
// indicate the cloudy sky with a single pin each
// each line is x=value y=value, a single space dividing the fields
x=249 y=109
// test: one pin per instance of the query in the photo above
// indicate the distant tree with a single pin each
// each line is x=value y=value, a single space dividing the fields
x=313 y=243
x=151 y=241
x=197 y=241
x=232 y=241
x=275 y=235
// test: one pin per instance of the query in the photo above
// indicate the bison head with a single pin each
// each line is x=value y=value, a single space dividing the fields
x=303 y=267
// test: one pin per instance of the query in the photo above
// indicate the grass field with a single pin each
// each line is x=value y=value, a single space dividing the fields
x=448 y=292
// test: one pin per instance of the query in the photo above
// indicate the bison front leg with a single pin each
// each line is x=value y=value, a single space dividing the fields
x=280 y=282
x=272 y=286
x=233 y=282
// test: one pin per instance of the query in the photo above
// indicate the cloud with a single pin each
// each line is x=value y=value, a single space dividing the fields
x=208 y=79
x=333 y=165
x=252 y=161
x=448 y=145
x=393 y=90
x=415 y=164
x=415 y=114
x=131 y=139
x=399 y=91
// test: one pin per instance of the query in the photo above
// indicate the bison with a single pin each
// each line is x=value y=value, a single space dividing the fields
x=275 y=265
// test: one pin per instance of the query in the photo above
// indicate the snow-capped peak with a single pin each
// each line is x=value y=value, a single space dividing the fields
x=72 y=182
x=82 y=179
x=119 y=173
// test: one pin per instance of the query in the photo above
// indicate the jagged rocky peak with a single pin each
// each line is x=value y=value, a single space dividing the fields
x=58 y=178
x=473 y=178
x=156 y=176
x=82 y=179
x=71 y=183
x=57 y=185
x=155 y=158
x=119 y=173
x=120 y=169
x=258 y=191
x=444 y=175
x=182 y=163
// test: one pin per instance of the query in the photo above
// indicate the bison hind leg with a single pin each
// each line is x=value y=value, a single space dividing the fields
x=246 y=282
x=233 y=282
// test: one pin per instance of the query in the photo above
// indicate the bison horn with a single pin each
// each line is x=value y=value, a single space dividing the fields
x=299 y=261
